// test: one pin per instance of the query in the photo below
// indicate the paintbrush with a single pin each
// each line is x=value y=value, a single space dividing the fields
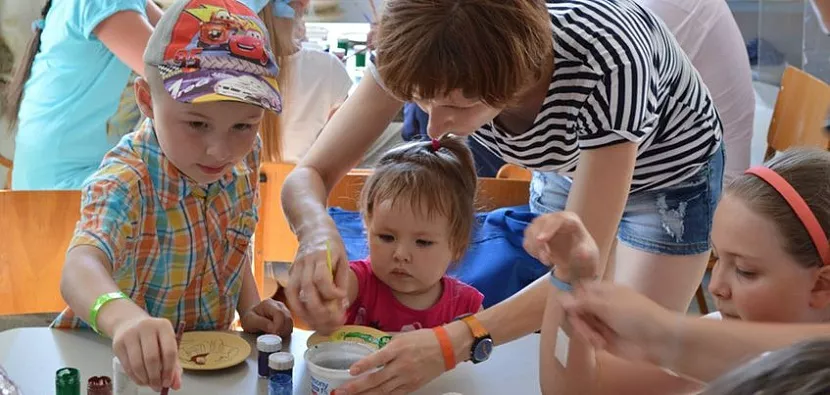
x=179 y=333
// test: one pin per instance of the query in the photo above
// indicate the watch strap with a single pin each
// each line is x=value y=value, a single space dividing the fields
x=479 y=331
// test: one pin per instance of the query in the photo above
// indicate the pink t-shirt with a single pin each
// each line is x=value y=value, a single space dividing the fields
x=377 y=307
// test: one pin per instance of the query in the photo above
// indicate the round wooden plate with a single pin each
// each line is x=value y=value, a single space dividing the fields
x=212 y=350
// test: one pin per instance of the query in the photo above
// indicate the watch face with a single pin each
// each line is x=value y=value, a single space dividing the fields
x=483 y=350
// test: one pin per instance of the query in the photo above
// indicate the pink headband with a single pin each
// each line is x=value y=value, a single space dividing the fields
x=797 y=203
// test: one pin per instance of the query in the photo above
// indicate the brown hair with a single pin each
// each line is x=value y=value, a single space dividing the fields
x=14 y=91
x=808 y=171
x=803 y=369
x=489 y=49
x=441 y=181
x=271 y=127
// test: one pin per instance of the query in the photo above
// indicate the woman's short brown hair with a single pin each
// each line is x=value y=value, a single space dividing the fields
x=489 y=49
x=441 y=182
x=808 y=171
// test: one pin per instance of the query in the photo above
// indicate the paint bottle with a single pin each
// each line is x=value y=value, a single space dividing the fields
x=122 y=385
x=99 y=385
x=266 y=345
x=67 y=381
x=281 y=363
x=280 y=384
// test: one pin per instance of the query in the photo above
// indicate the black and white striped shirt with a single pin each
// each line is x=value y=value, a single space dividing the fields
x=619 y=75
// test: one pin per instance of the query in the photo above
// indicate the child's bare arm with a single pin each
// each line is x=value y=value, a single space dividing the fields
x=146 y=346
x=594 y=372
x=153 y=12
x=126 y=34
x=352 y=287
x=86 y=276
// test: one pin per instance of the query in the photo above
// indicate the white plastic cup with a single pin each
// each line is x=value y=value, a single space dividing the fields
x=328 y=364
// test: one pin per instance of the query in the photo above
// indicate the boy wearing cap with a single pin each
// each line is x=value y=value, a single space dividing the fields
x=166 y=221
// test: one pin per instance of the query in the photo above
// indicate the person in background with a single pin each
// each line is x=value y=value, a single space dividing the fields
x=314 y=83
x=710 y=37
x=164 y=236
x=770 y=236
x=69 y=85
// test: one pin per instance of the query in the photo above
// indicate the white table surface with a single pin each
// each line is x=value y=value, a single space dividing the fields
x=31 y=356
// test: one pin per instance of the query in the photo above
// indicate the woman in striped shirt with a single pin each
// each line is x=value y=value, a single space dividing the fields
x=597 y=94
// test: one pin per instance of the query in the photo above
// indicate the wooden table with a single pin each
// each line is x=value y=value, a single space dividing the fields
x=32 y=355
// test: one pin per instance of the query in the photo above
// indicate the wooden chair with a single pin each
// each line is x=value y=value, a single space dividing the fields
x=800 y=113
x=38 y=226
x=798 y=120
x=7 y=163
x=511 y=171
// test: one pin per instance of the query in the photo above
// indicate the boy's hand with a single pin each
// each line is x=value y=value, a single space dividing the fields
x=268 y=316
x=148 y=351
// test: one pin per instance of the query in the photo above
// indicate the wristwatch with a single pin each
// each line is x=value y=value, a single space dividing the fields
x=482 y=342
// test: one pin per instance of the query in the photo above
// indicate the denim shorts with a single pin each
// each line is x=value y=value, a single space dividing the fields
x=676 y=220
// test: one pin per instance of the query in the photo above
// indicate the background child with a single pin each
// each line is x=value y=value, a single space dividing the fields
x=773 y=266
x=313 y=83
x=166 y=222
x=65 y=92
x=418 y=206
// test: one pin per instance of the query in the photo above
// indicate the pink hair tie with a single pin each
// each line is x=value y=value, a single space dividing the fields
x=436 y=145
x=799 y=206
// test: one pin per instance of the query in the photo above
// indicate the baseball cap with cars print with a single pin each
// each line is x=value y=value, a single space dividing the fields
x=214 y=50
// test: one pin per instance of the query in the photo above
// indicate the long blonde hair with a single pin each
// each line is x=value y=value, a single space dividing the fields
x=271 y=128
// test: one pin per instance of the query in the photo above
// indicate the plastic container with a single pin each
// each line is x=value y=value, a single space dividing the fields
x=99 y=385
x=266 y=345
x=328 y=364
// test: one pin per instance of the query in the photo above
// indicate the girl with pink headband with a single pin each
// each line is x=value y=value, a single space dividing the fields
x=773 y=271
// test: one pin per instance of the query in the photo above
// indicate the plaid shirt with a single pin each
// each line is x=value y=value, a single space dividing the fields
x=178 y=249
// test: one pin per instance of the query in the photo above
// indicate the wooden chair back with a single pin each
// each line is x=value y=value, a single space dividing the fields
x=37 y=227
x=7 y=163
x=277 y=242
x=800 y=113
x=514 y=172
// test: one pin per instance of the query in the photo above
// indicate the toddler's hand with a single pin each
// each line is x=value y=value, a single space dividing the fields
x=268 y=316
x=148 y=351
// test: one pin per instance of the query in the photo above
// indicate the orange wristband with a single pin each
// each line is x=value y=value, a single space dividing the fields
x=446 y=347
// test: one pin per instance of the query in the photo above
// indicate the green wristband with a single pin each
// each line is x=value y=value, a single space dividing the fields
x=99 y=303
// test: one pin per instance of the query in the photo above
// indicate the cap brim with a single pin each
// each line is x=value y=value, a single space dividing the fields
x=211 y=85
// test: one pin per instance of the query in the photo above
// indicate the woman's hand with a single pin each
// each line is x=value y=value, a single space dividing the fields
x=409 y=361
x=623 y=322
x=561 y=239
x=314 y=295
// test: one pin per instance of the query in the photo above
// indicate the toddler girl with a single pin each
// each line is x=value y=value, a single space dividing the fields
x=418 y=207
